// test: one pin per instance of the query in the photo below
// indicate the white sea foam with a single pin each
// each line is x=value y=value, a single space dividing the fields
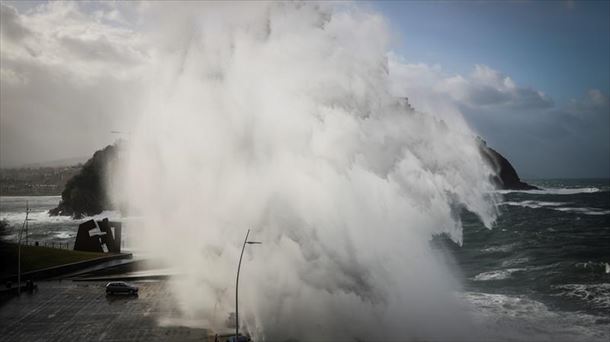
x=43 y=217
x=557 y=206
x=593 y=266
x=44 y=227
x=533 y=204
x=500 y=317
x=279 y=117
x=497 y=274
x=17 y=218
x=516 y=261
x=499 y=249
x=21 y=200
x=597 y=295
x=585 y=211
x=65 y=235
x=553 y=191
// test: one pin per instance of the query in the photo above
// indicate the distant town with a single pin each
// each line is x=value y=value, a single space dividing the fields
x=36 y=181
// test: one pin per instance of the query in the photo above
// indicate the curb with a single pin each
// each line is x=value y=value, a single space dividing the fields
x=124 y=278
x=55 y=271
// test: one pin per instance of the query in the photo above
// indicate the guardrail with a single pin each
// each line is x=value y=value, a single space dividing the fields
x=50 y=244
x=56 y=244
x=55 y=271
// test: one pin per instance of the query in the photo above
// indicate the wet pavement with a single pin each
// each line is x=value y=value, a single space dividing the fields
x=81 y=311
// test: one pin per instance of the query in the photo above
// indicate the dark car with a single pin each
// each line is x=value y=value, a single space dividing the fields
x=121 y=287
x=230 y=337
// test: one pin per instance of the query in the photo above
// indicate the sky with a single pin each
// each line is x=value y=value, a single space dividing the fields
x=558 y=48
x=530 y=77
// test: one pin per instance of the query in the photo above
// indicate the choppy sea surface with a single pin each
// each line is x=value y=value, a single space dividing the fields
x=546 y=261
x=43 y=228
x=541 y=273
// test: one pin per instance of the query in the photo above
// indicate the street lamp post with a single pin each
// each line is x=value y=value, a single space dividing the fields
x=246 y=242
x=25 y=224
x=27 y=212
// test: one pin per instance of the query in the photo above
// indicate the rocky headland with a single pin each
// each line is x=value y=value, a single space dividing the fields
x=506 y=177
x=85 y=193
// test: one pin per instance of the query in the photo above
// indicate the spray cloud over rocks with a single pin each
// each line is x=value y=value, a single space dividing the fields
x=281 y=118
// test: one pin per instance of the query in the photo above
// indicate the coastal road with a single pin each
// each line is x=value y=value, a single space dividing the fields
x=81 y=311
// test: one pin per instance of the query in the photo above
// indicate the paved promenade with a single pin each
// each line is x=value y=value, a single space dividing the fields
x=81 y=311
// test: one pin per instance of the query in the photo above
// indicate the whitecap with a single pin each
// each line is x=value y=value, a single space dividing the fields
x=597 y=295
x=553 y=191
x=516 y=261
x=64 y=235
x=17 y=218
x=498 y=249
x=556 y=206
x=519 y=318
x=497 y=274
x=533 y=204
x=585 y=211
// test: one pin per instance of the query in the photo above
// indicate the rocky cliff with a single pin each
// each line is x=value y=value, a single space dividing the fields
x=85 y=193
x=506 y=177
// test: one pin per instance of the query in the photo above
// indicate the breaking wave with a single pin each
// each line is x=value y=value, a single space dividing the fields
x=280 y=118
x=597 y=295
x=559 y=206
x=497 y=274
x=518 y=318
x=554 y=191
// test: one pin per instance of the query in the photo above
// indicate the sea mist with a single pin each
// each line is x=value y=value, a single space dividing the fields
x=280 y=118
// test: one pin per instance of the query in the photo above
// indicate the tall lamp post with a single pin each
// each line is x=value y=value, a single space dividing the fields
x=25 y=225
x=246 y=242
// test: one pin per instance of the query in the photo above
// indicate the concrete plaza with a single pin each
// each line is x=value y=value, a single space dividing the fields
x=81 y=311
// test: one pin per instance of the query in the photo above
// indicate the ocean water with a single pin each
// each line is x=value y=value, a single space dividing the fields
x=546 y=262
x=541 y=273
x=42 y=228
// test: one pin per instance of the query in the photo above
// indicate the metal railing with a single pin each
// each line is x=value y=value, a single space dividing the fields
x=51 y=244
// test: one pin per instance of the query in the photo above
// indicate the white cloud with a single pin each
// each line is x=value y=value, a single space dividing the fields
x=540 y=137
x=483 y=87
x=65 y=77
x=594 y=98
x=60 y=35
x=71 y=67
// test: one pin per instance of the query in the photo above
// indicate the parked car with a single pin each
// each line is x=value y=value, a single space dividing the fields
x=230 y=337
x=121 y=287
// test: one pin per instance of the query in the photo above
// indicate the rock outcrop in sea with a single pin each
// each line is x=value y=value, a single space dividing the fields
x=85 y=193
x=506 y=177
